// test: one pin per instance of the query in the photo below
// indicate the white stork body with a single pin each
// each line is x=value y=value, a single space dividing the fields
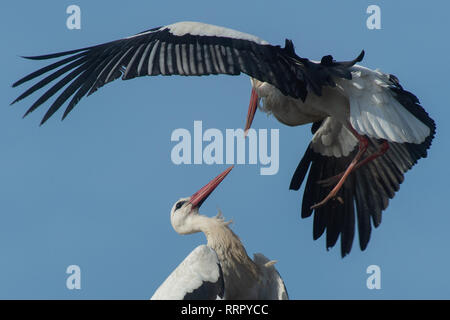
x=368 y=131
x=295 y=112
x=221 y=269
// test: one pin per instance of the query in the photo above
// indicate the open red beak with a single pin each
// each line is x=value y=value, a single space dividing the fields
x=202 y=194
x=251 y=111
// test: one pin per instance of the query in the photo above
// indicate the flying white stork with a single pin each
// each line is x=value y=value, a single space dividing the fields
x=221 y=269
x=367 y=130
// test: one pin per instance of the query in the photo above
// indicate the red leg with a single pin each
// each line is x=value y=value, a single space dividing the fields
x=381 y=150
x=363 y=144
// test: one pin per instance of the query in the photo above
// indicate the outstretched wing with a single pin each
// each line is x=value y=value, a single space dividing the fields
x=368 y=189
x=183 y=48
x=198 y=277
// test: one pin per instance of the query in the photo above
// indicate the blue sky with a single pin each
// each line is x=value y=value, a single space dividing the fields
x=96 y=189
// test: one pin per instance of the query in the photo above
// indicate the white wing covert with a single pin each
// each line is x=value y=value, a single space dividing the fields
x=375 y=111
x=198 y=277
x=333 y=139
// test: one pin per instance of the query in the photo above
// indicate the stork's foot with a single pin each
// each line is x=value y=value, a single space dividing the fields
x=328 y=198
x=333 y=193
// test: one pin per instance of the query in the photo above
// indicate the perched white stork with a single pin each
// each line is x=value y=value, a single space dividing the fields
x=221 y=269
x=368 y=131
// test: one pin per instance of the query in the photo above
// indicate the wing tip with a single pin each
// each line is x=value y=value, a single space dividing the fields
x=289 y=46
x=58 y=54
x=300 y=172
x=17 y=83
x=361 y=56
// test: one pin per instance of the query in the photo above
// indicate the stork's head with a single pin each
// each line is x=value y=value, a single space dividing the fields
x=185 y=211
x=254 y=103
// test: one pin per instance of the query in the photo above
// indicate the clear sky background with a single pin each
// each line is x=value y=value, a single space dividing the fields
x=96 y=189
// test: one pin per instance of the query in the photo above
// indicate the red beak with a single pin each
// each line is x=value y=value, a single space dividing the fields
x=251 y=111
x=202 y=194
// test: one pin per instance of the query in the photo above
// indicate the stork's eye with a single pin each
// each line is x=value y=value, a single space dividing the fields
x=179 y=205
